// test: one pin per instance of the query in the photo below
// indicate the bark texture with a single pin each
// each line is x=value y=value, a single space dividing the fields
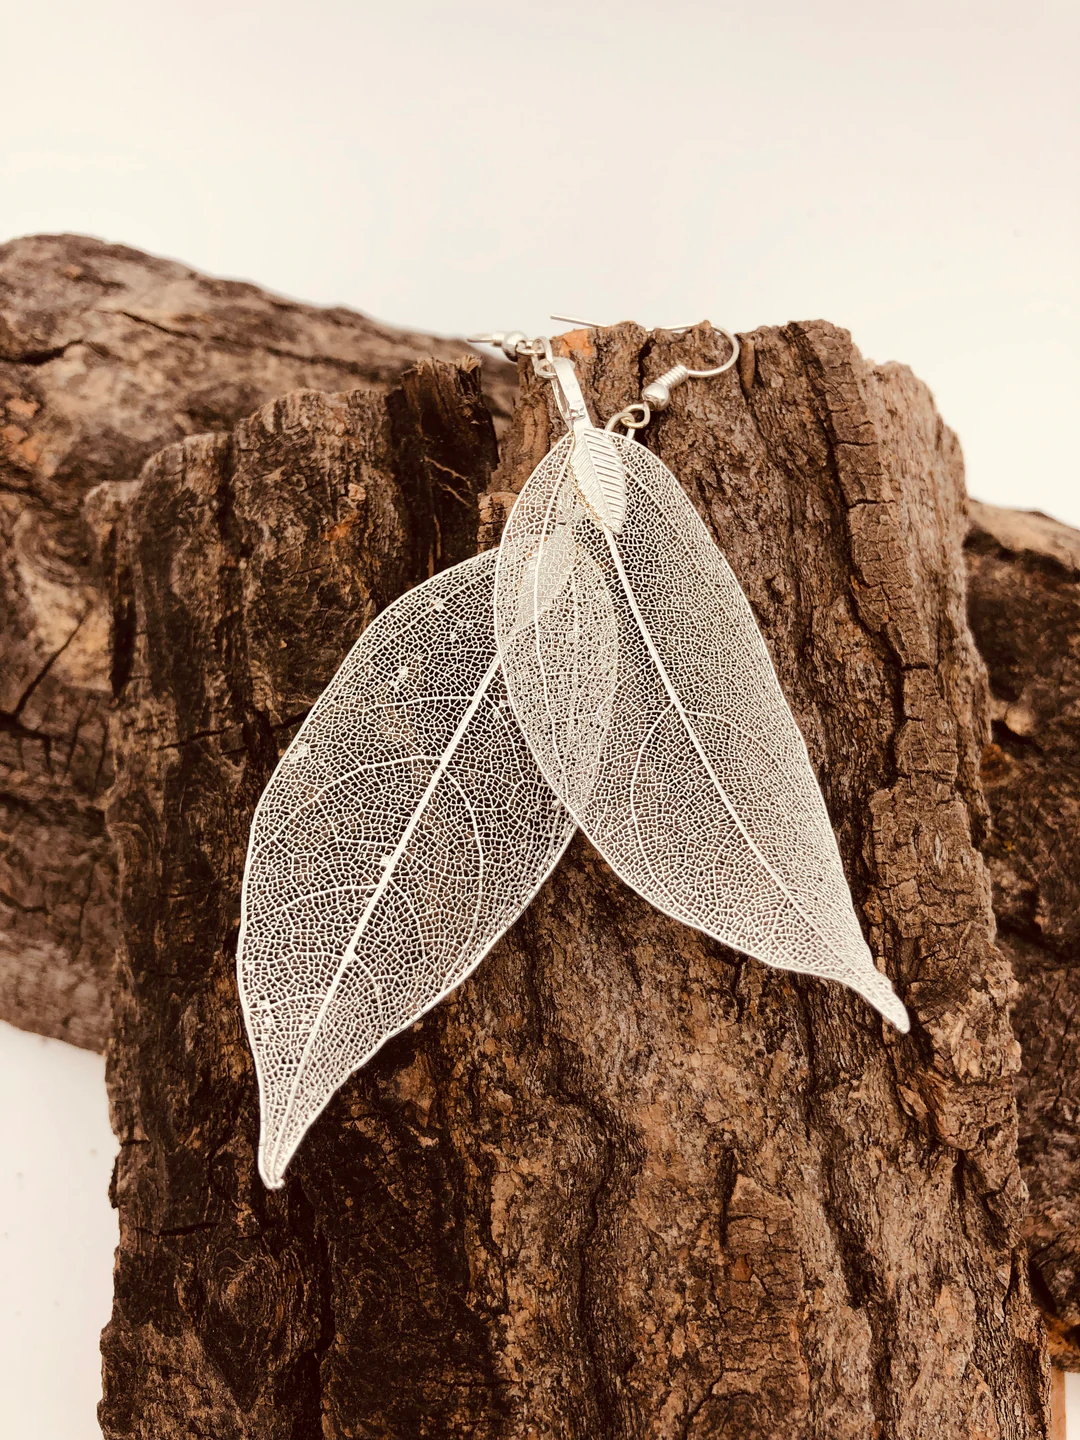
x=624 y=1182
x=1025 y=613
x=106 y=355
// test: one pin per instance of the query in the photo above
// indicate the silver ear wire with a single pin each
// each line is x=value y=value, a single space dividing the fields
x=507 y=341
x=594 y=325
x=657 y=394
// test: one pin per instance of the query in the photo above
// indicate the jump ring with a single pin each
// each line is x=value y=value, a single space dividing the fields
x=626 y=417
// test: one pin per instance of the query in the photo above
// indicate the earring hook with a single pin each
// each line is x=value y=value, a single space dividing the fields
x=657 y=394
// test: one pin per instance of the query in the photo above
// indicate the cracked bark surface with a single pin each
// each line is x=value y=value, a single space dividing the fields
x=623 y=1182
x=1025 y=613
x=106 y=355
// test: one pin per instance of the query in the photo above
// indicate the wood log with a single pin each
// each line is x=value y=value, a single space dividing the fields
x=106 y=355
x=624 y=1182
x=1024 y=602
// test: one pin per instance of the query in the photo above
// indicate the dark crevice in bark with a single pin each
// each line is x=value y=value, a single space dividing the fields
x=21 y=703
x=36 y=358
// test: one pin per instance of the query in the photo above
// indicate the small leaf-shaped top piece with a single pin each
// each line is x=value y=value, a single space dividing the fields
x=598 y=470
x=405 y=829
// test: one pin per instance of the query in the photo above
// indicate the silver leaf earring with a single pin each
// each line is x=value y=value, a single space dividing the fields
x=404 y=830
x=645 y=691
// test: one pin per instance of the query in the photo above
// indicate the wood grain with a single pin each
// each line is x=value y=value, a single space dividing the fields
x=1025 y=612
x=624 y=1182
x=106 y=355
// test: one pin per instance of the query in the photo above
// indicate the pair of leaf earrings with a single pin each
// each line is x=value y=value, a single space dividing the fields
x=601 y=669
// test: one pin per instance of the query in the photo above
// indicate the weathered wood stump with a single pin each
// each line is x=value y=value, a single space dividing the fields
x=1025 y=613
x=106 y=355
x=624 y=1182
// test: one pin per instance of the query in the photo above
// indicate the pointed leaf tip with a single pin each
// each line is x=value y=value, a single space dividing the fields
x=895 y=1011
x=270 y=1178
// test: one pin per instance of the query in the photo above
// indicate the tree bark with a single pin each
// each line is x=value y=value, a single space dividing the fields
x=624 y=1182
x=106 y=355
x=1025 y=613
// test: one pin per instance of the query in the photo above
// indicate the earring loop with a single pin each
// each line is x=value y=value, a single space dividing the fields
x=658 y=392
x=728 y=363
x=626 y=417
x=655 y=396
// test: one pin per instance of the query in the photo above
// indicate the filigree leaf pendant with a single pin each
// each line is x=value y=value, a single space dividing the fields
x=405 y=829
x=651 y=705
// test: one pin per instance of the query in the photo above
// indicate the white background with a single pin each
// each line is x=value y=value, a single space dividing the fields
x=907 y=171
